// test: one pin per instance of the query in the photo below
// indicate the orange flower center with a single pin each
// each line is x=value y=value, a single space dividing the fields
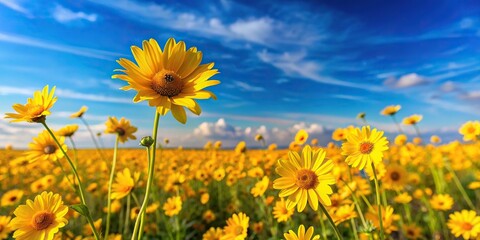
x=167 y=83
x=1 y=228
x=366 y=147
x=42 y=220
x=471 y=130
x=120 y=131
x=306 y=179
x=35 y=110
x=395 y=176
x=49 y=149
x=238 y=230
x=467 y=226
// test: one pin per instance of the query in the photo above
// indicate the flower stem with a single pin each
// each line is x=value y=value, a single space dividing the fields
x=151 y=168
x=74 y=150
x=93 y=138
x=396 y=123
x=110 y=182
x=460 y=187
x=80 y=186
x=379 y=202
x=337 y=233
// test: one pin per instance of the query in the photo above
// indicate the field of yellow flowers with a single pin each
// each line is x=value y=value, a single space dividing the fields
x=360 y=186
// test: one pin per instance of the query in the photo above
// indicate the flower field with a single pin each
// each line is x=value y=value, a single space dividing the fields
x=361 y=185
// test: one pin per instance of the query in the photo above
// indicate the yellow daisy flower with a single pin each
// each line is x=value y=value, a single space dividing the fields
x=413 y=232
x=395 y=178
x=280 y=211
x=5 y=228
x=122 y=128
x=11 y=197
x=465 y=223
x=364 y=146
x=442 y=202
x=36 y=109
x=44 y=148
x=40 y=218
x=260 y=187
x=470 y=130
x=305 y=178
x=391 y=110
x=412 y=120
x=236 y=228
x=301 y=137
x=213 y=234
x=68 y=130
x=80 y=112
x=344 y=213
x=124 y=184
x=403 y=198
x=302 y=235
x=170 y=79
x=172 y=206
x=241 y=147
x=388 y=218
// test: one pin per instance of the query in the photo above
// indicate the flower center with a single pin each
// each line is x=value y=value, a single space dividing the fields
x=471 y=130
x=395 y=176
x=35 y=110
x=366 y=147
x=238 y=230
x=120 y=131
x=1 y=228
x=42 y=220
x=167 y=83
x=12 y=199
x=49 y=149
x=467 y=226
x=306 y=179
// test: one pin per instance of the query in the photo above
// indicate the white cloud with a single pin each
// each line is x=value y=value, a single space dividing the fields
x=244 y=86
x=14 y=5
x=65 y=15
x=80 y=51
x=254 y=30
x=406 y=81
x=448 y=87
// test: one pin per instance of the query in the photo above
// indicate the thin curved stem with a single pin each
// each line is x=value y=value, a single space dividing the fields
x=110 y=182
x=379 y=202
x=396 y=123
x=337 y=232
x=93 y=138
x=74 y=150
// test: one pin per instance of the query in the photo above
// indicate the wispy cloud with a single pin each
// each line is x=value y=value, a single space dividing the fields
x=406 y=81
x=65 y=15
x=65 y=93
x=244 y=86
x=14 y=5
x=79 y=51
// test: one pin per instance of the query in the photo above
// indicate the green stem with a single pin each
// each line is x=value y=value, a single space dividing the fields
x=396 y=123
x=110 y=182
x=74 y=150
x=337 y=233
x=322 y=226
x=460 y=187
x=354 y=228
x=151 y=168
x=127 y=218
x=379 y=202
x=93 y=138
x=417 y=130
x=80 y=186
x=357 y=204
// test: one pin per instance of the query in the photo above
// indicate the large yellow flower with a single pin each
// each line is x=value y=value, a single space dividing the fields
x=305 y=178
x=39 y=219
x=5 y=228
x=237 y=227
x=465 y=223
x=364 y=147
x=44 y=148
x=124 y=184
x=470 y=130
x=36 y=109
x=170 y=79
x=122 y=128
x=302 y=235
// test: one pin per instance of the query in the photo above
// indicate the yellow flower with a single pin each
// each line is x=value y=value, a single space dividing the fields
x=209 y=216
x=395 y=178
x=339 y=134
x=80 y=112
x=391 y=110
x=36 y=109
x=272 y=147
x=124 y=184
x=364 y=147
x=236 y=228
x=465 y=223
x=305 y=178
x=412 y=120
x=280 y=211
x=87 y=230
x=470 y=130
x=258 y=137
x=435 y=139
x=40 y=218
x=11 y=197
x=241 y=147
x=401 y=139
x=403 y=198
x=344 y=213
x=122 y=128
x=260 y=187
x=361 y=115
x=442 y=202
x=5 y=228
x=302 y=235
x=301 y=137
x=68 y=130
x=213 y=234
x=388 y=218
x=204 y=198
x=173 y=206
x=44 y=148
x=169 y=80
x=413 y=232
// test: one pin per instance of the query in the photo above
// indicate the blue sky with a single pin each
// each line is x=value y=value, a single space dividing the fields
x=284 y=66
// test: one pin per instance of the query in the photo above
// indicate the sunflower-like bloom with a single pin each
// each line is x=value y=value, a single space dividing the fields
x=465 y=223
x=213 y=234
x=388 y=218
x=344 y=213
x=391 y=110
x=241 y=147
x=364 y=147
x=301 y=137
x=40 y=218
x=302 y=235
x=305 y=178
x=395 y=178
x=122 y=128
x=280 y=211
x=79 y=113
x=36 y=109
x=339 y=134
x=5 y=228
x=412 y=120
x=470 y=130
x=237 y=227
x=44 y=148
x=124 y=184
x=260 y=187
x=172 y=206
x=412 y=231
x=11 y=197
x=170 y=79
x=442 y=202
x=68 y=130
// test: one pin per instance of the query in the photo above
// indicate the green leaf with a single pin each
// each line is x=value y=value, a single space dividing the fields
x=81 y=208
